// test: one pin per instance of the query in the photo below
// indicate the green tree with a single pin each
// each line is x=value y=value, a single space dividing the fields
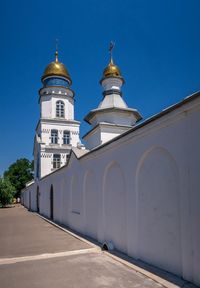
x=19 y=173
x=7 y=191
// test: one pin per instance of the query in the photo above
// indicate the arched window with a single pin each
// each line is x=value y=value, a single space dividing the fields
x=66 y=137
x=54 y=136
x=60 y=109
x=56 y=161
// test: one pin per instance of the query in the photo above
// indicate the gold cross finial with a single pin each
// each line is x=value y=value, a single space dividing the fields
x=56 y=53
x=112 y=45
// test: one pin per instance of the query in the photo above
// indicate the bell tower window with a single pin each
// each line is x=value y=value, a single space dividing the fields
x=66 y=137
x=56 y=161
x=60 y=109
x=54 y=136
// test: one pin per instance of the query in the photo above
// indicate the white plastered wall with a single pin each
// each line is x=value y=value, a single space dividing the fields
x=151 y=176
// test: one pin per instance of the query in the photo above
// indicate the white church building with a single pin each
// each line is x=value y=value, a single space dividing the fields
x=134 y=184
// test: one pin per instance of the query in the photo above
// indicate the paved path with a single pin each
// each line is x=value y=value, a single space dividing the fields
x=34 y=254
x=23 y=233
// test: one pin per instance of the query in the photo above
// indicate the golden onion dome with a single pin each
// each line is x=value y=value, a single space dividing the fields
x=56 y=68
x=111 y=70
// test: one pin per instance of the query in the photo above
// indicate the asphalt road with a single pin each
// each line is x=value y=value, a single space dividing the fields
x=34 y=254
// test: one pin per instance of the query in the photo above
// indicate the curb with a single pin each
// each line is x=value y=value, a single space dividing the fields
x=142 y=271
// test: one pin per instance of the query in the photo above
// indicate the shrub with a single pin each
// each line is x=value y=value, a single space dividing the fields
x=7 y=191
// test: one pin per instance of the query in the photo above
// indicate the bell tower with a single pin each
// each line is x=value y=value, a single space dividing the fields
x=57 y=131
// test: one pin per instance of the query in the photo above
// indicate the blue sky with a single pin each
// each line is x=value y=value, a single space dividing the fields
x=157 y=49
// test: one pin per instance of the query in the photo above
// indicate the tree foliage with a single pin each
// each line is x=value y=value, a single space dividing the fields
x=19 y=173
x=7 y=191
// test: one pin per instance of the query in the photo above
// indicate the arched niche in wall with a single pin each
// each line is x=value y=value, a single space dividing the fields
x=30 y=208
x=114 y=203
x=66 y=194
x=158 y=210
x=91 y=204
x=51 y=202
x=75 y=195
x=38 y=199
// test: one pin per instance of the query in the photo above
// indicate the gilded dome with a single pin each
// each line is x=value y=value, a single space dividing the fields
x=111 y=70
x=56 y=68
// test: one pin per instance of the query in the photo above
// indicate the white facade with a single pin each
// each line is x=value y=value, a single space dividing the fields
x=140 y=191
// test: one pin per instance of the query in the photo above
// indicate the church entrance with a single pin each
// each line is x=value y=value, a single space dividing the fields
x=37 y=199
x=51 y=202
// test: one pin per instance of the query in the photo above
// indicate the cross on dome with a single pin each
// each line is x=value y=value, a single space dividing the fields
x=56 y=53
x=111 y=47
x=112 y=70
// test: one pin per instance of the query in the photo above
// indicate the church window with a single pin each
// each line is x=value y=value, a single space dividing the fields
x=56 y=161
x=54 y=136
x=60 y=109
x=66 y=137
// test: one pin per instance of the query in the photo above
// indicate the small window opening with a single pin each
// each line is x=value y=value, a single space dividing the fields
x=105 y=247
